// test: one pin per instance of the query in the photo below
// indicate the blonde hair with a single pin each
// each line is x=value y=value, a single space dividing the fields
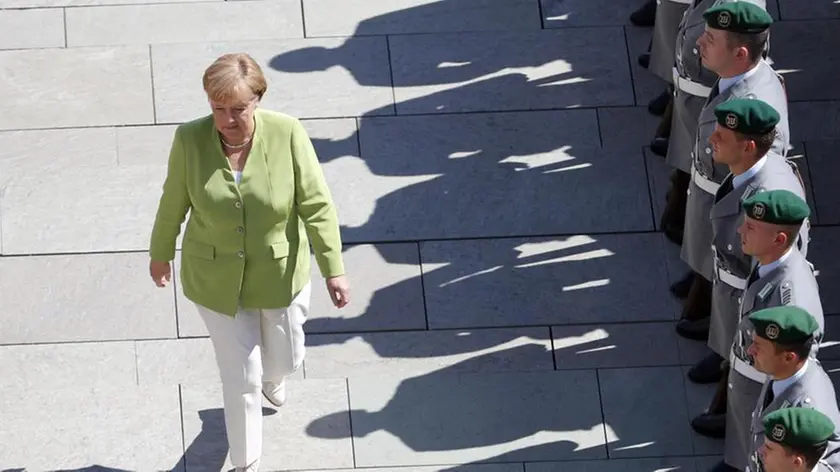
x=232 y=76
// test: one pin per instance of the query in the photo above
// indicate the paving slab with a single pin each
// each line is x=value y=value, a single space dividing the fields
x=81 y=3
x=645 y=85
x=538 y=281
x=35 y=28
x=288 y=442
x=629 y=404
x=698 y=398
x=659 y=183
x=626 y=127
x=661 y=464
x=576 y=13
x=423 y=352
x=386 y=294
x=822 y=157
x=808 y=71
x=481 y=167
x=60 y=88
x=822 y=252
x=48 y=151
x=813 y=10
x=307 y=78
x=810 y=121
x=381 y=17
x=183 y=22
x=493 y=71
x=76 y=209
x=120 y=427
x=615 y=345
x=93 y=297
x=44 y=366
x=144 y=145
x=442 y=418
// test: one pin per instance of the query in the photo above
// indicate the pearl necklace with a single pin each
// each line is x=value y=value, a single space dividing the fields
x=236 y=146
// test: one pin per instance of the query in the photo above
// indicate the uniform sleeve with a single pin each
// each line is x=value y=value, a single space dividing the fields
x=315 y=205
x=173 y=206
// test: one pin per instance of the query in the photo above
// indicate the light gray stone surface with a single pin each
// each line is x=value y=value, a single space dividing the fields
x=417 y=353
x=646 y=85
x=44 y=366
x=36 y=28
x=815 y=120
x=442 y=418
x=81 y=3
x=815 y=9
x=626 y=128
x=183 y=22
x=482 y=169
x=575 y=13
x=615 y=345
x=631 y=397
x=59 y=88
x=144 y=145
x=699 y=397
x=307 y=77
x=808 y=71
x=570 y=280
x=822 y=252
x=293 y=435
x=380 y=17
x=94 y=297
x=822 y=157
x=487 y=71
x=122 y=427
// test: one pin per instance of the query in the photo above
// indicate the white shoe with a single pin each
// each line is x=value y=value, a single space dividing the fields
x=254 y=467
x=275 y=393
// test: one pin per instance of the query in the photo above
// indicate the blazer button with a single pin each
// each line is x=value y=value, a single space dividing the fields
x=238 y=204
x=694 y=51
x=240 y=230
x=708 y=150
x=241 y=254
x=728 y=247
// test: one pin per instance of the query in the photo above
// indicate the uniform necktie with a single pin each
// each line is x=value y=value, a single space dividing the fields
x=725 y=187
x=753 y=277
x=768 y=398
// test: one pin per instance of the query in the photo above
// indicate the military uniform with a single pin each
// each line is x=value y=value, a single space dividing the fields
x=761 y=83
x=803 y=429
x=787 y=281
x=669 y=15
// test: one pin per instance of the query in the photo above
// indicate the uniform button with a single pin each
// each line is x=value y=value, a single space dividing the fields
x=728 y=247
x=238 y=204
x=739 y=300
x=692 y=154
x=708 y=150
x=694 y=51
x=240 y=229
x=688 y=192
x=241 y=254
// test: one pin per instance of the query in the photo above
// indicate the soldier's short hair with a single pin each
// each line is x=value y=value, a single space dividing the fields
x=756 y=43
x=763 y=142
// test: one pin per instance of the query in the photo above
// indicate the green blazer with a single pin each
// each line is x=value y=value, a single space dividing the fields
x=248 y=244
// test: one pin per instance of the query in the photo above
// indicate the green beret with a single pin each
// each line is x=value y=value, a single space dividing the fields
x=785 y=324
x=798 y=427
x=738 y=17
x=747 y=116
x=781 y=207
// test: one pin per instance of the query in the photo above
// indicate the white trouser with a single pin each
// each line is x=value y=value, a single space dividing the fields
x=253 y=347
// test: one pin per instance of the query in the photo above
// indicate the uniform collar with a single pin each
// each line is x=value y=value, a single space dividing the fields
x=779 y=386
x=765 y=269
x=738 y=180
x=725 y=83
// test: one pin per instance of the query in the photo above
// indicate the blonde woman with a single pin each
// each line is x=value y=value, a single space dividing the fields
x=256 y=196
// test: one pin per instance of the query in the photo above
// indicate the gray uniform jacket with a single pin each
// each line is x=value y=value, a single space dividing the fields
x=813 y=390
x=669 y=15
x=732 y=267
x=792 y=282
x=764 y=84
x=692 y=84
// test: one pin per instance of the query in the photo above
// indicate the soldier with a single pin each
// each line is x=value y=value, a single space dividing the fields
x=797 y=440
x=783 y=340
x=732 y=46
x=782 y=276
x=741 y=140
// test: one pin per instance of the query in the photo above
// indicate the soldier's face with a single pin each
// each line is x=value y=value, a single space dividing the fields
x=714 y=50
x=725 y=145
x=757 y=237
x=763 y=354
x=776 y=459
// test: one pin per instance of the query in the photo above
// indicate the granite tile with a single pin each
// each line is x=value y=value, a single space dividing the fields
x=576 y=13
x=822 y=253
x=537 y=281
x=183 y=22
x=82 y=3
x=811 y=121
x=307 y=78
x=823 y=164
x=808 y=71
x=493 y=71
x=646 y=85
x=443 y=418
x=698 y=398
x=615 y=345
x=626 y=127
x=59 y=88
x=144 y=145
x=812 y=10
x=35 y=28
x=94 y=297
x=423 y=352
x=365 y=17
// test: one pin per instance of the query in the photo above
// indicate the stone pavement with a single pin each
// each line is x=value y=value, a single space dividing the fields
x=510 y=308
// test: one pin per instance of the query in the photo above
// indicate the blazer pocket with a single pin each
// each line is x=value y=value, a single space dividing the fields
x=280 y=250
x=200 y=250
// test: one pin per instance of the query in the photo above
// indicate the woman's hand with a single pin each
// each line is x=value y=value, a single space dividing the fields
x=339 y=291
x=161 y=272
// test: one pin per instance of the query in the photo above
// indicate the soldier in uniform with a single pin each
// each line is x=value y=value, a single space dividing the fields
x=742 y=140
x=782 y=276
x=732 y=47
x=796 y=440
x=783 y=340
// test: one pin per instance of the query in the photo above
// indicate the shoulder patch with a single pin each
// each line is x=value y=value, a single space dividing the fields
x=785 y=404
x=752 y=189
x=762 y=295
x=787 y=293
